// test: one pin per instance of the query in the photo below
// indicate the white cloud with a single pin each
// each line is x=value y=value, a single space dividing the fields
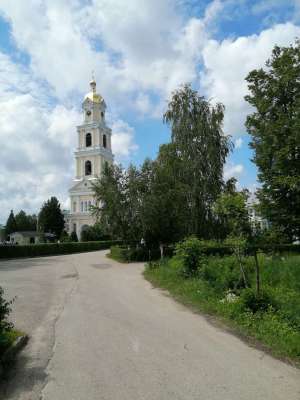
x=132 y=45
x=227 y=63
x=140 y=51
x=238 y=143
x=233 y=170
x=37 y=142
x=123 y=140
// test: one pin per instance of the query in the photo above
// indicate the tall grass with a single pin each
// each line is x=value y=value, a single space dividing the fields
x=276 y=324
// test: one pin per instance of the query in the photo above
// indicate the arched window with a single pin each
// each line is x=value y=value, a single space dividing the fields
x=104 y=141
x=88 y=140
x=88 y=168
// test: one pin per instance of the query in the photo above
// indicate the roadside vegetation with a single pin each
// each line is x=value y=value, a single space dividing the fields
x=8 y=334
x=215 y=285
x=234 y=254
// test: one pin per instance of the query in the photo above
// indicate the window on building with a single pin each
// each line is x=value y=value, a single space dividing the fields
x=102 y=114
x=81 y=206
x=85 y=206
x=74 y=227
x=89 y=204
x=88 y=140
x=88 y=168
x=104 y=141
x=74 y=206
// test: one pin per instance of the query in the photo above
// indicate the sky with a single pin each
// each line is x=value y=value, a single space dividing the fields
x=140 y=52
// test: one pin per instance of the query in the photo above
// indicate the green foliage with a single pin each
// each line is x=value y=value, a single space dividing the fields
x=163 y=216
x=64 y=237
x=254 y=303
x=274 y=129
x=51 y=219
x=223 y=274
x=48 y=249
x=171 y=197
x=135 y=253
x=11 y=225
x=231 y=212
x=116 y=192
x=202 y=148
x=273 y=318
x=5 y=309
x=190 y=253
x=5 y=325
x=73 y=237
x=93 y=233
x=26 y=222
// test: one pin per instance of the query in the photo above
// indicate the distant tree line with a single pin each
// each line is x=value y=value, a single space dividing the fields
x=49 y=220
x=20 y=222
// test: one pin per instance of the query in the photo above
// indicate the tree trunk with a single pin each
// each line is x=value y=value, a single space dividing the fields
x=257 y=274
x=241 y=267
x=161 y=248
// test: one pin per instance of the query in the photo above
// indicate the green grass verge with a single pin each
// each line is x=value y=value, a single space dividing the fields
x=7 y=338
x=278 y=330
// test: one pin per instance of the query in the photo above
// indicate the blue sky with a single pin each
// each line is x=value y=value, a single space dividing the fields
x=140 y=50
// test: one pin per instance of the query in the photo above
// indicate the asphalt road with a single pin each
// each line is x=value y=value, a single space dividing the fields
x=100 y=331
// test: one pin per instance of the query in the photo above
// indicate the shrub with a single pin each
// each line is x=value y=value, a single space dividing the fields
x=254 y=303
x=130 y=254
x=93 y=233
x=5 y=326
x=73 y=237
x=48 y=249
x=64 y=237
x=190 y=252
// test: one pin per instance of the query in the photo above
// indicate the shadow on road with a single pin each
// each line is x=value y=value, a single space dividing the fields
x=20 y=378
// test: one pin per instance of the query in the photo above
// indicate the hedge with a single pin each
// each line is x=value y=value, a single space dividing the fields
x=130 y=254
x=49 y=249
x=137 y=253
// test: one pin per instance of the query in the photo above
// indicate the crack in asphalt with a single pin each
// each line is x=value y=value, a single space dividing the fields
x=55 y=321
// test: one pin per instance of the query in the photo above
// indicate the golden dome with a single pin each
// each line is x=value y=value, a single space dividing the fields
x=94 y=97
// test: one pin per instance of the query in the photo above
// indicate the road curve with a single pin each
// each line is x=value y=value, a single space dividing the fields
x=100 y=331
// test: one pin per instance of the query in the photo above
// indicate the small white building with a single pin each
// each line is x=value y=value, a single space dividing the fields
x=94 y=150
x=24 y=237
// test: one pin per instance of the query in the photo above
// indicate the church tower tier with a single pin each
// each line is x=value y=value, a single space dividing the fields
x=93 y=151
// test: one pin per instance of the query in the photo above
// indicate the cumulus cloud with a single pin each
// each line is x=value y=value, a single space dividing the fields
x=140 y=51
x=133 y=46
x=233 y=170
x=227 y=63
x=123 y=140
x=238 y=143
x=37 y=142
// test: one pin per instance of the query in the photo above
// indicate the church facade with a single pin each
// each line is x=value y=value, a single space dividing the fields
x=93 y=151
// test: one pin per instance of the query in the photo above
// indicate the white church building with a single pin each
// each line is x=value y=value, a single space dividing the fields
x=93 y=151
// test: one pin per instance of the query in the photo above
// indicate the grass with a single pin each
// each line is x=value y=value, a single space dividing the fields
x=7 y=338
x=277 y=326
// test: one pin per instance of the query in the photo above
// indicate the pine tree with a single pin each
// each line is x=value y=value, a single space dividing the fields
x=11 y=225
x=51 y=219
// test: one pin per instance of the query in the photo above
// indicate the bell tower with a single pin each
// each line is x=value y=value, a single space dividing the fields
x=93 y=151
